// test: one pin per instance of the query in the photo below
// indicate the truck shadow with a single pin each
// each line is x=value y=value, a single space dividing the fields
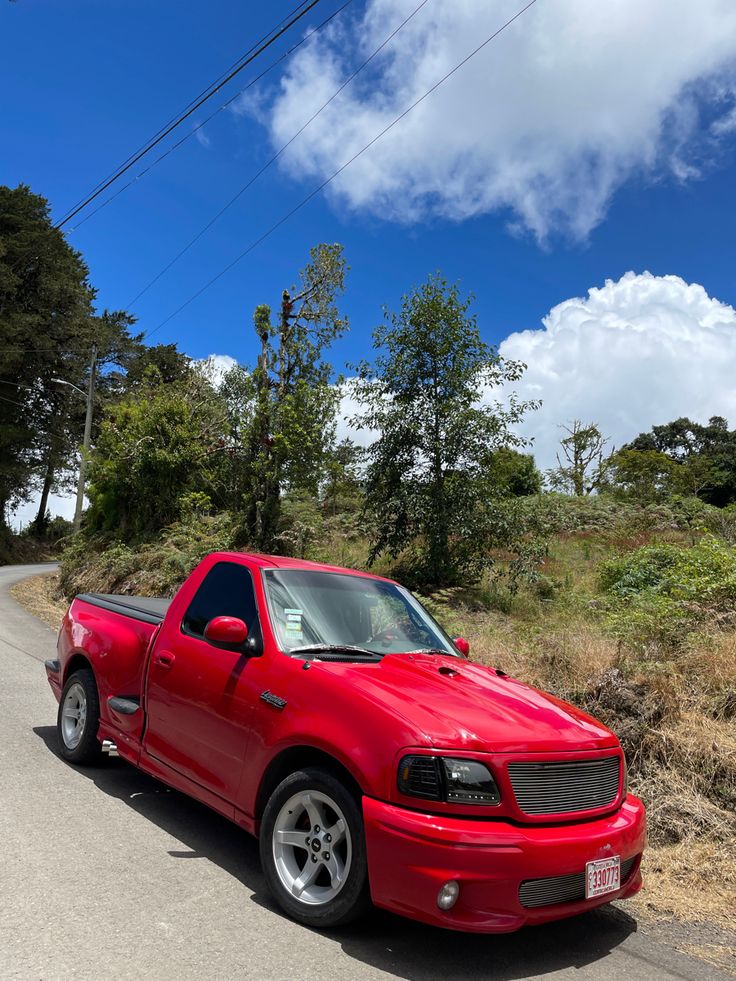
x=399 y=947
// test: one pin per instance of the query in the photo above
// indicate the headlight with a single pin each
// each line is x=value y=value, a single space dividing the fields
x=446 y=778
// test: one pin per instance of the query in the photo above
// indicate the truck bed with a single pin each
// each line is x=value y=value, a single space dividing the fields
x=145 y=608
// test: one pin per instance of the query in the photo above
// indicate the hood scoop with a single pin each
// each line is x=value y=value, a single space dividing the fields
x=449 y=672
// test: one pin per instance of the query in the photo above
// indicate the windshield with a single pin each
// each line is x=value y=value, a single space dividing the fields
x=328 y=608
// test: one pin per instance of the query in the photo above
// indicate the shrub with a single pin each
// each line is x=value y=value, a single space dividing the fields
x=661 y=592
x=157 y=568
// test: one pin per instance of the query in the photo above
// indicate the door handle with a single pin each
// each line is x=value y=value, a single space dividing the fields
x=164 y=659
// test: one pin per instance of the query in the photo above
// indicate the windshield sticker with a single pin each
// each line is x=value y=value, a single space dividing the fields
x=293 y=626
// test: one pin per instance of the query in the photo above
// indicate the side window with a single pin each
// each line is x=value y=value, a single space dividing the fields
x=227 y=590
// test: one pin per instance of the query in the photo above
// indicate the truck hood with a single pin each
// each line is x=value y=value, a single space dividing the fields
x=457 y=704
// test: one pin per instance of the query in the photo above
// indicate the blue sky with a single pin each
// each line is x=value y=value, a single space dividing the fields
x=576 y=147
x=84 y=82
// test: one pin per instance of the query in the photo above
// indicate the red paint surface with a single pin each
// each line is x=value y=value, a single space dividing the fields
x=204 y=729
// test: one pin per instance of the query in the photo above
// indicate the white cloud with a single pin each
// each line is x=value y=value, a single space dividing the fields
x=635 y=353
x=545 y=123
x=201 y=137
x=215 y=367
x=348 y=409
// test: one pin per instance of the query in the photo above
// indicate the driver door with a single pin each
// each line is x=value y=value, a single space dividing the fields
x=199 y=702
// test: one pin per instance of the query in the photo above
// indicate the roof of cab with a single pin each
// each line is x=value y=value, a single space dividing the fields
x=285 y=562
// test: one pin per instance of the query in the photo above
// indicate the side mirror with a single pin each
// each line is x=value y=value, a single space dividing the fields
x=229 y=631
x=462 y=645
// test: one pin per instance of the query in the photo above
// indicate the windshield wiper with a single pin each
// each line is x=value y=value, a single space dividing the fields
x=432 y=650
x=334 y=649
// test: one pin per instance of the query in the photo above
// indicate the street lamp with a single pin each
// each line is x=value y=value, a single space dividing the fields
x=89 y=395
x=60 y=381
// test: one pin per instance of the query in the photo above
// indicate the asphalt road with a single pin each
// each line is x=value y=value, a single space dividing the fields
x=106 y=874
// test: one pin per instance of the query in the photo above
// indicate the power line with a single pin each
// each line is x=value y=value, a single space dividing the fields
x=275 y=157
x=201 y=94
x=17 y=385
x=22 y=405
x=340 y=169
x=204 y=91
x=192 y=108
x=195 y=129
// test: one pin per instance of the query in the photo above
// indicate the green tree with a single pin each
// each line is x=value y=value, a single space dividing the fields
x=47 y=331
x=160 y=448
x=59 y=443
x=342 y=492
x=705 y=456
x=427 y=395
x=289 y=403
x=581 y=469
x=169 y=362
x=513 y=473
x=645 y=475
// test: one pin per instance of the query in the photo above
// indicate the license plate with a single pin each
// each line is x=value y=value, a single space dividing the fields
x=602 y=876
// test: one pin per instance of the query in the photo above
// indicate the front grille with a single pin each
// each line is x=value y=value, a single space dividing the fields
x=563 y=888
x=558 y=787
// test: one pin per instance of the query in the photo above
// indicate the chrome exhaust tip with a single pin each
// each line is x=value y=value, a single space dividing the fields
x=109 y=747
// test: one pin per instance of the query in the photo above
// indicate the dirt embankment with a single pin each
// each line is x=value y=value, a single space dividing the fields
x=40 y=596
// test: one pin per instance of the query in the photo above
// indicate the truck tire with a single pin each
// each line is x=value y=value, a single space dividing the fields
x=78 y=719
x=313 y=854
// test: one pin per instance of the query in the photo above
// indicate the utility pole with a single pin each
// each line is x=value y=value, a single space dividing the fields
x=87 y=436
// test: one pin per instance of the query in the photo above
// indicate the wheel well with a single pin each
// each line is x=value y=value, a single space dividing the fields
x=74 y=663
x=297 y=758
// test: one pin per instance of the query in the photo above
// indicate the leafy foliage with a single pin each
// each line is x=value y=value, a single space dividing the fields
x=702 y=459
x=48 y=329
x=661 y=591
x=426 y=483
x=514 y=473
x=155 y=449
x=155 y=568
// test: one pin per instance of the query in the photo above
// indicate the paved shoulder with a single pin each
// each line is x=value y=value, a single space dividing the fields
x=106 y=873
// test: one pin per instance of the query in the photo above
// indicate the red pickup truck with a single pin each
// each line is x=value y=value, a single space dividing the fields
x=326 y=712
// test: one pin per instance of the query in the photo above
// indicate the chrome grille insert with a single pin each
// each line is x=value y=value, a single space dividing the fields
x=558 y=787
x=563 y=888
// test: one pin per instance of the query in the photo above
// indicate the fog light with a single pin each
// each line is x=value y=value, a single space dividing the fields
x=447 y=896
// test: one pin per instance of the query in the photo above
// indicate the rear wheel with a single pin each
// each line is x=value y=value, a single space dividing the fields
x=313 y=849
x=78 y=719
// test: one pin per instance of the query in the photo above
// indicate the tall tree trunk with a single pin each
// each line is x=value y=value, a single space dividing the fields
x=39 y=521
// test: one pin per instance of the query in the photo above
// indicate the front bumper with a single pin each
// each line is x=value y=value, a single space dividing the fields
x=411 y=855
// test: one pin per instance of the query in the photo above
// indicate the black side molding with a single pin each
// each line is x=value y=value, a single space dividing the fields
x=123 y=706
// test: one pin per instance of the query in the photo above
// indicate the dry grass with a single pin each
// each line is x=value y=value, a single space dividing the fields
x=694 y=881
x=40 y=596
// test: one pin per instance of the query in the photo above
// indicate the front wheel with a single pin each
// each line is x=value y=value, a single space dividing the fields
x=78 y=719
x=312 y=847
